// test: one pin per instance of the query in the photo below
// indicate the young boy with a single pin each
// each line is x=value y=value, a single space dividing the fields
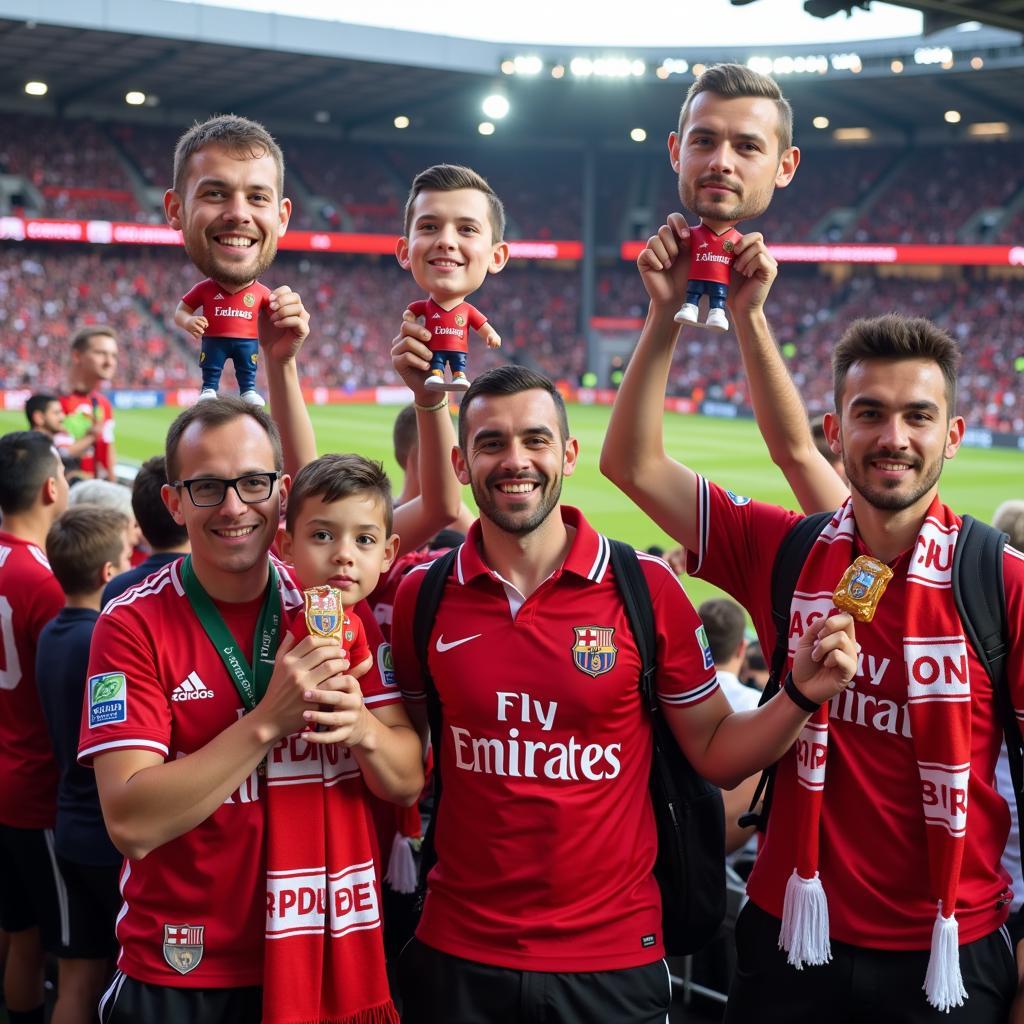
x=86 y=547
x=454 y=224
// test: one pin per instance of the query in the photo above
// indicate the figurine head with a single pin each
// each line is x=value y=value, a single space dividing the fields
x=733 y=146
x=453 y=236
x=227 y=198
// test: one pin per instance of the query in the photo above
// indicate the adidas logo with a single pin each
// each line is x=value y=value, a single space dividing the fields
x=436 y=316
x=218 y=296
x=192 y=688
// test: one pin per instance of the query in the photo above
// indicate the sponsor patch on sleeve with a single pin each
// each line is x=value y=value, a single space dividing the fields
x=386 y=665
x=108 y=699
x=737 y=499
x=705 y=647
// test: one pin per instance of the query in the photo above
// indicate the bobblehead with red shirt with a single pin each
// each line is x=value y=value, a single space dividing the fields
x=453 y=238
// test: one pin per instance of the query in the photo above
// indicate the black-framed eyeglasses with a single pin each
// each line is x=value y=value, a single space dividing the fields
x=207 y=491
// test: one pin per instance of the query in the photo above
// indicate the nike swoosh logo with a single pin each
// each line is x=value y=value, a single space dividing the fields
x=442 y=646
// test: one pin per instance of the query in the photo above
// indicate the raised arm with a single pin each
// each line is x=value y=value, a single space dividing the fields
x=633 y=456
x=282 y=331
x=780 y=413
x=440 y=498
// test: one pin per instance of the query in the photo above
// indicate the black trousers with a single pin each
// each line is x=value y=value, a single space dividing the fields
x=873 y=986
x=128 y=1001
x=440 y=989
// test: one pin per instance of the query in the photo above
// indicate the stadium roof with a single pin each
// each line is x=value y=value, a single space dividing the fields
x=345 y=81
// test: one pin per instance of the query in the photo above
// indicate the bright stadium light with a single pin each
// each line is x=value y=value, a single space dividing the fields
x=495 y=106
x=896 y=67
x=135 y=98
x=529 y=65
x=581 y=67
x=952 y=116
x=638 y=135
x=36 y=88
x=820 y=122
x=933 y=55
x=672 y=66
x=401 y=121
x=988 y=128
x=698 y=70
x=977 y=63
x=851 y=134
x=485 y=128
x=558 y=71
x=508 y=67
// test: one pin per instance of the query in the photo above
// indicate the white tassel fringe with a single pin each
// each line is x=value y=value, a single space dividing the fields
x=401 y=874
x=804 y=934
x=943 y=983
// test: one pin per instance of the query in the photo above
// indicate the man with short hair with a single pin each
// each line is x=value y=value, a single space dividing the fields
x=45 y=413
x=913 y=734
x=33 y=493
x=87 y=411
x=167 y=540
x=543 y=905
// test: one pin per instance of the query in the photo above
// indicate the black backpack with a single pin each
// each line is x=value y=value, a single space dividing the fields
x=690 y=867
x=980 y=596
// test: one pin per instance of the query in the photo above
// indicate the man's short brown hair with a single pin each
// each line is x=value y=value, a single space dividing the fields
x=733 y=81
x=81 y=339
x=238 y=135
x=81 y=542
x=895 y=337
x=333 y=477
x=215 y=412
x=405 y=435
x=449 y=178
x=725 y=624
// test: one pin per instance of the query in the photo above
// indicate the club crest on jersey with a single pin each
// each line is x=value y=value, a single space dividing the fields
x=249 y=299
x=108 y=699
x=324 y=614
x=386 y=665
x=593 y=652
x=183 y=946
x=737 y=499
x=460 y=320
x=705 y=647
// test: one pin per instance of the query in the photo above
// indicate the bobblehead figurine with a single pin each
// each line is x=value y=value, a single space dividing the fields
x=454 y=225
x=734 y=147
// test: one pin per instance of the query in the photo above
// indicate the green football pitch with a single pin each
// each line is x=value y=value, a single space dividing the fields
x=728 y=451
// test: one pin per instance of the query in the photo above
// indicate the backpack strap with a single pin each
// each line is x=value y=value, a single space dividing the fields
x=428 y=598
x=636 y=597
x=789 y=561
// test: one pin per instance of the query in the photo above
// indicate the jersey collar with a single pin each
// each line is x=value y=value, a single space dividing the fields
x=588 y=557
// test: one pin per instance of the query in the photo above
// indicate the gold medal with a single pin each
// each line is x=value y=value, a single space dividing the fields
x=862 y=587
x=325 y=615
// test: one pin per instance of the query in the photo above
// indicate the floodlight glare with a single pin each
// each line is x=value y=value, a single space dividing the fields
x=508 y=67
x=638 y=135
x=36 y=88
x=581 y=67
x=135 y=98
x=531 y=65
x=977 y=63
x=495 y=106
x=401 y=121
x=558 y=71
x=485 y=128
x=896 y=67
x=820 y=122
x=952 y=117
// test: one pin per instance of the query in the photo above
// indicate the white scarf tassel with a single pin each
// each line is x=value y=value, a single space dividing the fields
x=401 y=875
x=943 y=983
x=804 y=933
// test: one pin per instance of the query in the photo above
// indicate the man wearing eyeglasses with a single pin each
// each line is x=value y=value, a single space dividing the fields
x=185 y=701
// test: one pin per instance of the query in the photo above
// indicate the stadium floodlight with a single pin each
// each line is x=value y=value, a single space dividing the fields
x=851 y=134
x=135 y=98
x=989 y=128
x=322 y=117
x=508 y=67
x=495 y=106
x=804 y=64
x=528 y=65
x=951 y=117
x=672 y=66
x=933 y=55
x=821 y=122
x=698 y=70
x=485 y=128
x=846 y=62
x=401 y=121
x=977 y=63
x=638 y=135
x=896 y=67
x=558 y=71
x=36 y=88
x=581 y=67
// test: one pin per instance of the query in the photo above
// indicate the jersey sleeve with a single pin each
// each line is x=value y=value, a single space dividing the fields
x=359 y=649
x=686 y=671
x=476 y=318
x=418 y=308
x=126 y=707
x=407 y=665
x=1013 y=581
x=738 y=542
x=194 y=298
x=47 y=601
x=379 y=686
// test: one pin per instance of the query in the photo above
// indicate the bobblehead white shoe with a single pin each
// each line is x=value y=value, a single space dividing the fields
x=252 y=398
x=717 y=319
x=687 y=314
x=206 y=394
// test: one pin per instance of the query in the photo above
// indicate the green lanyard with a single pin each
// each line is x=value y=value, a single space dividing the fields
x=251 y=686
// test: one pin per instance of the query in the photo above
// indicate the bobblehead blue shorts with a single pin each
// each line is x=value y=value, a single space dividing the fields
x=456 y=360
x=716 y=293
x=243 y=352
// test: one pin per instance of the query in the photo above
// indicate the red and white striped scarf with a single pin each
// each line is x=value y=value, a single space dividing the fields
x=939 y=705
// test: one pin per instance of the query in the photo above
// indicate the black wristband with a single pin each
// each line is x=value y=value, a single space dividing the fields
x=802 y=702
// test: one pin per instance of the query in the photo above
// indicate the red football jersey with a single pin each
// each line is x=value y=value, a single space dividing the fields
x=352 y=639
x=545 y=836
x=157 y=683
x=382 y=600
x=29 y=597
x=229 y=314
x=873 y=858
x=711 y=255
x=82 y=412
x=449 y=327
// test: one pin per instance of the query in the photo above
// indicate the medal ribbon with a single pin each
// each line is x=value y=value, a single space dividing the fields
x=250 y=682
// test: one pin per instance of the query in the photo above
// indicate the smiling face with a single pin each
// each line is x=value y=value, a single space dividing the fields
x=229 y=541
x=450 y=248
x=727 y=158
x=894 y=431
x=341 y=543
x=515 y=458
x=229 y=213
